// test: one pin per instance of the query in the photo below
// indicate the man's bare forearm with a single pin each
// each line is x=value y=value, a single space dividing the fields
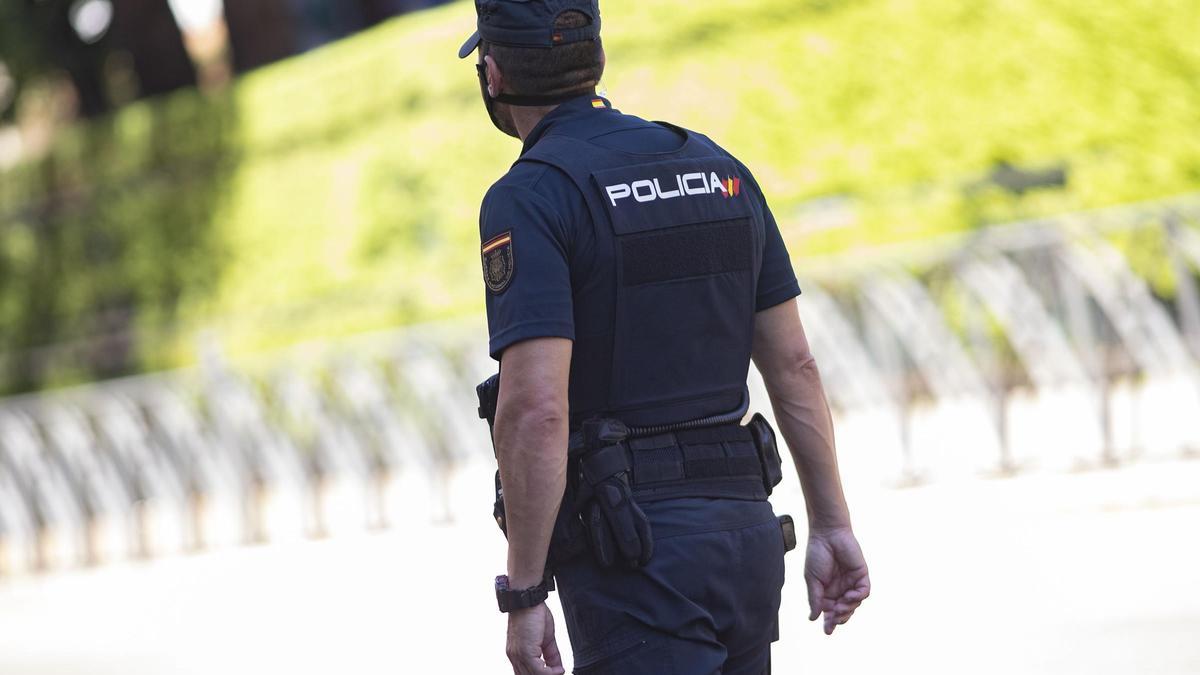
x=533 y=467
x=793 y=382
x=531 y=445
x=807 y=427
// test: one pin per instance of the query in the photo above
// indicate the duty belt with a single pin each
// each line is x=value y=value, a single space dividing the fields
x=721 y=461
x=612 y=468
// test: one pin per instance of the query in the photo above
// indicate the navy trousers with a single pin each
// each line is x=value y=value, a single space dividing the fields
x=708 y=602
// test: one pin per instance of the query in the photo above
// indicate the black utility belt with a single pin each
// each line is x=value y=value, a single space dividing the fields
x=722 y=461
x=612 y=467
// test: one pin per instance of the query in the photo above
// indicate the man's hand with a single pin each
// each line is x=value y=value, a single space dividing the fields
x=836 y=574
x=531 y=645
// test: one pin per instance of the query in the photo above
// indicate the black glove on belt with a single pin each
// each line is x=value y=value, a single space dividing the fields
x=618 y=529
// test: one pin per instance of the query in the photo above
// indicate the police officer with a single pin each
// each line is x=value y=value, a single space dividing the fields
x=633 y=270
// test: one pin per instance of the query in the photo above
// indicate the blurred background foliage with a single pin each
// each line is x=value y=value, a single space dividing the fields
x=337 y=192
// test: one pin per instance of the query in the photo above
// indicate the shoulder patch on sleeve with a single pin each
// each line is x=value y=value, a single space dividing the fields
x=498 y=262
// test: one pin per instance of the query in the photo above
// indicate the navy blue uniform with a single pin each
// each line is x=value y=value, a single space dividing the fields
x=652 y=249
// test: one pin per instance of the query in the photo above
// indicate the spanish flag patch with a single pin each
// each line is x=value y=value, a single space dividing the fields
x=498 y=262
x=598 y=103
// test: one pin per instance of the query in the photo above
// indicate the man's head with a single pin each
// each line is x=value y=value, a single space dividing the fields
x=535 y=54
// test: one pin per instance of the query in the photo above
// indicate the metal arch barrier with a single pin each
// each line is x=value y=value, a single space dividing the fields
x=55 y=507
x=903 y=305
x=217 y=486
x=1185 y=255
x=1064 y=388
x=946 y=437
x=108 y=497
x=340 y=461
x=404 y=468
x=158 y=485
x=433 y=379
x=855 y=380
x=20 y=512
x=280 y=475
x=1172 y=379
x=1142 y=324
x=1039 y=340
x=18 y=527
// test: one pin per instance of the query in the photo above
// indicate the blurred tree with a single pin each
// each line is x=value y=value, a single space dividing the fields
x=374 y=11
x=323 y=21
x=148 y=31
x=260 y=31
x=38 y=37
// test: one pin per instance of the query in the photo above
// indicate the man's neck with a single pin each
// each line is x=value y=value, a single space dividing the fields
x=526 y=118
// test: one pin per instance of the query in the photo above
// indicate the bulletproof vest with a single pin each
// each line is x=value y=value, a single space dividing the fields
x=682 y=234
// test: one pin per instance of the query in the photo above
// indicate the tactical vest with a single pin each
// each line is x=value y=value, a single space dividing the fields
x=684 y=232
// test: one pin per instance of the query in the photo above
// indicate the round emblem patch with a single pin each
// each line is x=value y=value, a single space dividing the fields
x=498 y=265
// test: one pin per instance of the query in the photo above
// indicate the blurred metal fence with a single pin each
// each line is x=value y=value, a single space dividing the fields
x=1019 y=347
x=354 y=438
x=1024 y=347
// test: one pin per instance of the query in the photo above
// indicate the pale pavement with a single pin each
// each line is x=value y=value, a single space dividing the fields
x=1095 y=573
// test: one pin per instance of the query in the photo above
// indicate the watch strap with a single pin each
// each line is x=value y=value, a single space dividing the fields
x=508 y=599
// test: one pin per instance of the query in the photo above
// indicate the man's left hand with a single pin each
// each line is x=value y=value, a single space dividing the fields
x=531 y=646
x=836 y=573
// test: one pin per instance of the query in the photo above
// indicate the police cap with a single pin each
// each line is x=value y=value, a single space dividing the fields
x=530 y=23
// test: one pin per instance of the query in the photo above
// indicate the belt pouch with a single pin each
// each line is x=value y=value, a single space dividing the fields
x=768 y=451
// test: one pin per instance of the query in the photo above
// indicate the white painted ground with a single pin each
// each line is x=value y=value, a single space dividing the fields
x=1095 y=573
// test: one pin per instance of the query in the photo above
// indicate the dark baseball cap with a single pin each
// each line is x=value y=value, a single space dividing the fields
x=530 y=23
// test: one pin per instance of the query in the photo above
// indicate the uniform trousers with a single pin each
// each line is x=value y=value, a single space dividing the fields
x=708 y=602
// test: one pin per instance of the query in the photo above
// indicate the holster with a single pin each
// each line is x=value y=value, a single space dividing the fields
x=618 y=531
x=768 y=451
x=569 y=538
x=488 y=393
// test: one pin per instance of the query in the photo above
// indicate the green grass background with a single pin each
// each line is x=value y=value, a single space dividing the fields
x=337 y=192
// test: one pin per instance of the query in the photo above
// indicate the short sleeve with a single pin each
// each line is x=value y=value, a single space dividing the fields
x=524 y=253
x=777 y=280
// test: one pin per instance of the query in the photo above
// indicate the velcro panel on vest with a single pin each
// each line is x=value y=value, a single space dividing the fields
x=675 y=192
x=683 y=252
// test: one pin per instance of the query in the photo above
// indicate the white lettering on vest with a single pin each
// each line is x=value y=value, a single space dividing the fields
x=717 y=184
x=664 y=195
x=649 y=190
x=618 y=191
x=649 y=197
x=687 y=187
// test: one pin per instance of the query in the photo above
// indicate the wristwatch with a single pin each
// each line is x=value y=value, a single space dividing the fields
x=509 y=599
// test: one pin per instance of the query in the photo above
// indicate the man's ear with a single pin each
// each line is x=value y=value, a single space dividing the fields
x=494 y=77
